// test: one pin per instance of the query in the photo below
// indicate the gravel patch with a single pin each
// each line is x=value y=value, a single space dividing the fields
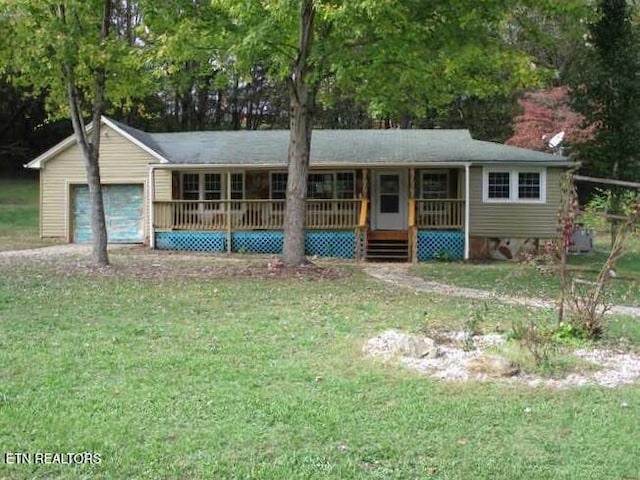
x=55 y=251
x=616 y=368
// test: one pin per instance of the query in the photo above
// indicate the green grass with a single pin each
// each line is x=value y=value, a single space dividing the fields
x=513 y=278
x=221 y=378
x=19 y=215
x=217 y=376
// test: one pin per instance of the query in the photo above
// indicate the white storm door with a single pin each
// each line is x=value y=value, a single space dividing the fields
x=390 y=198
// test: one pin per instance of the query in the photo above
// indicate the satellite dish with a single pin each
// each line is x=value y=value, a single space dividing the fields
x=556 y=140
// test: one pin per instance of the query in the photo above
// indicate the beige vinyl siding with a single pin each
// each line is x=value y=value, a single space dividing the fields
x=40 y=190
x=517 y=220
x=162 y=180
x=162 y=185
x=120 y=162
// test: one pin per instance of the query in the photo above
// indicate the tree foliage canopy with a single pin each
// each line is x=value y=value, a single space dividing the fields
x=606 y=91
x=41 y=37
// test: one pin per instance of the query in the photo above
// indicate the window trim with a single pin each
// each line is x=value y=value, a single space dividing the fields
x=514 y=184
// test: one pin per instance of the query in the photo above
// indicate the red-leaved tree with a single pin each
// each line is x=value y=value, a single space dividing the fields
x=545 y=114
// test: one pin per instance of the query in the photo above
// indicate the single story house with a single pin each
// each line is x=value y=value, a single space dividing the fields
x=375 y=194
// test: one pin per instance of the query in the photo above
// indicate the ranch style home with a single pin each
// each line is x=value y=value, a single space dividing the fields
x=411 y=195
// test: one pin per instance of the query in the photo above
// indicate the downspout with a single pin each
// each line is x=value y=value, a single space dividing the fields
x=151 y=195
x=228 y=206
x=466 y=211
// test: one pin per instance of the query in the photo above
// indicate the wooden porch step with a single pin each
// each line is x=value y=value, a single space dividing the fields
x=387 y=246
x=377 y=257
x=388 y=235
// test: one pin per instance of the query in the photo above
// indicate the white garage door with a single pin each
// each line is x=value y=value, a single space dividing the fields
x=123 y=208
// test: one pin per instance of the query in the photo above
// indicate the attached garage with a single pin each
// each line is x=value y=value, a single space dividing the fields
x=126 y=174
x=123 y=209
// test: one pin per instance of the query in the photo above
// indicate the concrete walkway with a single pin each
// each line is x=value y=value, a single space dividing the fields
x=398 y=274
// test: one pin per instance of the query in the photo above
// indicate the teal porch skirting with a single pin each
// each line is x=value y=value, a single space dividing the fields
x=434 y=244
x=192 y=241
x=336 y=244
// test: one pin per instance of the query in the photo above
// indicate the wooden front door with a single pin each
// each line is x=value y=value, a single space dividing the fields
x=390 y=200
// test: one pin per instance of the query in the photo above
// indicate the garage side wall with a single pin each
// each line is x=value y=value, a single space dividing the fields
x=120 y=162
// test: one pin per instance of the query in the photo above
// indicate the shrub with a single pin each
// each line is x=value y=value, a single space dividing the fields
x=444 y=256
x=537 y=340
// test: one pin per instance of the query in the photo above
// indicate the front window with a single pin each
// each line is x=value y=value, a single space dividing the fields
x=529 y=185
x=514 y=185
x=190 y=186
x=345 y=185
x=278 y=185
x=434 y=185
x=320 y=185
x=499 y=186
x=237 y=189
x=211 y=187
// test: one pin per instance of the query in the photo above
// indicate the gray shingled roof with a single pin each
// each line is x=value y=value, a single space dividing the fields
x=141 y=136
x=337 y=148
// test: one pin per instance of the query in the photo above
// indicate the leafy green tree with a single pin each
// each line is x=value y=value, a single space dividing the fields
x=71 y=51
x=552 y=33
x=607 y=93
x=401 y=57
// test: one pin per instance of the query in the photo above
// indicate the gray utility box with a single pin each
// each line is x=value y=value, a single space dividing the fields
x=582 y=240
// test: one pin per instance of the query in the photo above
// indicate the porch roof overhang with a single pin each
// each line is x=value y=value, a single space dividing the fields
x=318 y=165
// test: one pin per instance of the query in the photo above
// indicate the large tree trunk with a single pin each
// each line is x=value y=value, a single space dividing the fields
x=90 y=146
x=99 y=253
x=302 y=100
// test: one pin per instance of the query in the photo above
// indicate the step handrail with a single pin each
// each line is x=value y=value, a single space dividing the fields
x=412 y=212
x=362 y=221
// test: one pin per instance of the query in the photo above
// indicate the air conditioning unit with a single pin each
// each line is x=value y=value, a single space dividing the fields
x=582 y=240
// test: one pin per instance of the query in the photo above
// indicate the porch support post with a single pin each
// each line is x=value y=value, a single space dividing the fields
x=412 y=183
x=413 y=243
x=365 y=183
x=466 y=211
x=151 y=193
x=228 y=210
x=362 y=229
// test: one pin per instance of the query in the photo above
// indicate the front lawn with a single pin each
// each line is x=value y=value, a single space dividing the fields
x=199 y=367
x=531 y=280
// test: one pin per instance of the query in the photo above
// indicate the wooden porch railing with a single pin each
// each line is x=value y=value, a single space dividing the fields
x=445 y=214
x=251 y=214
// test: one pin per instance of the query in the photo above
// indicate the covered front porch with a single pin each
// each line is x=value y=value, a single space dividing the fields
x=403 y=214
